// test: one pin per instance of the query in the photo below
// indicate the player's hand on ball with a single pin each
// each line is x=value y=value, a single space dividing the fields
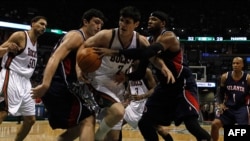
x=84 y=78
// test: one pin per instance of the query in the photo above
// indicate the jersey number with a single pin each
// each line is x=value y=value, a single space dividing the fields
x=32 y=63
x=120 y=67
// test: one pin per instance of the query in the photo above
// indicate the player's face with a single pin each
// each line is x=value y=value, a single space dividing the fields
x=40 y=26
x=154 y=24
x=95 y=25
x=237 y=64
x=127 y=25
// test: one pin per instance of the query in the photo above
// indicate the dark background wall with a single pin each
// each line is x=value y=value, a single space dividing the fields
x=197 y=17
x=216 y=18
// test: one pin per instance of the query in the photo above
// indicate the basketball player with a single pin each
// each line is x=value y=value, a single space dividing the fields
x=108 y=92
x=233 y=98
x=171 y=101
x=138 y=92
x=60 y=90
x=19 y=60
x=175 y=96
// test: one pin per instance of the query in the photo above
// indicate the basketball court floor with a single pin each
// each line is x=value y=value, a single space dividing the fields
x=41 y=131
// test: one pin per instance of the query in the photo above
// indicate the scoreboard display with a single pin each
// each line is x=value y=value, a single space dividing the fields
x=215 y=39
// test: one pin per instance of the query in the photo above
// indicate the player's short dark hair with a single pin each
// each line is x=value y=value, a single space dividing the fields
x=37 y=18
x=89 y=14
x=131 y=12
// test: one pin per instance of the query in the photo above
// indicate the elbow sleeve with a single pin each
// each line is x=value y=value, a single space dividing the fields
x=134 y=53
x=153 y=50
x=139 y=53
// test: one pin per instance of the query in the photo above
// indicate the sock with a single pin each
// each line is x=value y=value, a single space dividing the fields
x=102 y=131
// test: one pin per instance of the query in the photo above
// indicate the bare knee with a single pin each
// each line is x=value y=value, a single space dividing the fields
x=216 y=124
x=3 y=115
x=116 y=110
x=89 y=121
x=29 y=120
x=163 y=131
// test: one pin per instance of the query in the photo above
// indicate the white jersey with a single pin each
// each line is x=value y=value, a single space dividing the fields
x=24 y=63
x=134 y=110
x=137 y=87
x=103 y=78
x=15 y=80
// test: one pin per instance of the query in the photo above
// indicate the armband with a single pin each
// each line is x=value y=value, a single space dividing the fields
x=153 y=50
x=134 y=53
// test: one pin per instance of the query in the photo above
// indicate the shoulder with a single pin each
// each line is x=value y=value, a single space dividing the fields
x=248 y=75
x=106 y=31
x=100 y=39
x=72 y=39
x=143 y=40
x=248 y=78
x=224 y=76
x=18 y=34
x=148 y=70
x=17 y=37
x=169 y=34
x=74 y=33
x=149 y=74
x=104 y=34
x=169 y=39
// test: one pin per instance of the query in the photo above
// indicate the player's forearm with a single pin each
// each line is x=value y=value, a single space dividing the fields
x=157 y=62
x=149 y=93
x=4 y=48
x=49 y=71
x=221 y=94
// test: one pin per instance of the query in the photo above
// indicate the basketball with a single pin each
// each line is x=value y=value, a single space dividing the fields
x=88 y=60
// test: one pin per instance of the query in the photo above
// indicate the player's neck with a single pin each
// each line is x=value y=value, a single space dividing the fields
x=33 y=37
x=237 y=74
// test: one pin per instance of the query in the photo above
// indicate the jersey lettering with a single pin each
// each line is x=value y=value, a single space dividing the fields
x=32 y=53
x=120 y=59
x=236 y=88
x=136 y=83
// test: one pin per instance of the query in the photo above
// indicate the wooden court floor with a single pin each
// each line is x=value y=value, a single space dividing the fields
x=41 y=131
